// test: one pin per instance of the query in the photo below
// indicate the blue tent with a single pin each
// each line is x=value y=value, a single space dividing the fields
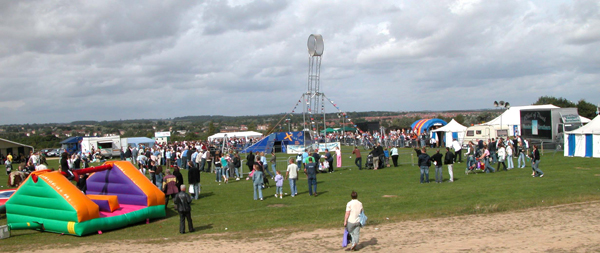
x=72 y=140
x=423 y=125
x=285 y=138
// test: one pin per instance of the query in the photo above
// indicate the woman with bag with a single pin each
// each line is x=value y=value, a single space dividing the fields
x=352 y=220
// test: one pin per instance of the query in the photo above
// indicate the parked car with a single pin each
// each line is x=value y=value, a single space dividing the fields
x=45 y=151
x=53 y=153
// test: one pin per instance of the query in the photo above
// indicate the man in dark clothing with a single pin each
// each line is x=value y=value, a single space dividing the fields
x=311 y=173
x=492 y=149
x=449 y=160
x=317 y=158
x=250 y=161
x=437 y=162
x=182 y=201
x=194 y=179
x=329 y=160
x=424 y=163
x=128 y=154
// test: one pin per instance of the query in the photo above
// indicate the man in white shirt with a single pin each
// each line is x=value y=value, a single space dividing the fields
x=394 y=154
x=292 y=175
x=352 y=220
x=457 y=151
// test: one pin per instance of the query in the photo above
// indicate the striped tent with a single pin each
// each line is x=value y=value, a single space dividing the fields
x=584 y=141
x=423 y=125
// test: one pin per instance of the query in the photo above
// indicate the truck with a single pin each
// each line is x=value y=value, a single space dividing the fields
x=547 y=126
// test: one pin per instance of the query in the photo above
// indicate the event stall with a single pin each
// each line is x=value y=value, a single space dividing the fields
x=511 y=118
x=453 y=130
x=584 y=141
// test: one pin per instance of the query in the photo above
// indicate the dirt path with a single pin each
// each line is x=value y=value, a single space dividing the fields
x=572 y=228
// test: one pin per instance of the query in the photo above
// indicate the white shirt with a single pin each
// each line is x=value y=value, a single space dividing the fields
x=355 y=207
x=456 y=146
x=394 y=151
x=292 y=170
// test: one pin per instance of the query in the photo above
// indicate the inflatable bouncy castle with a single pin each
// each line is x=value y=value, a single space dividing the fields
x=118 y=195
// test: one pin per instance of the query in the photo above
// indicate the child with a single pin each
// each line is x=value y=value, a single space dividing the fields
x=325 y=166
x=279 y=185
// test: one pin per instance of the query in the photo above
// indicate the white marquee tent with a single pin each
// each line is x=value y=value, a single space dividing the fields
x=511 y=118
x=247 y=134
x=452 y=130
x=584 y=141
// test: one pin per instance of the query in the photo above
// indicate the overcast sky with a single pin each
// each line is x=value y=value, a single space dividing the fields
x=62 y=61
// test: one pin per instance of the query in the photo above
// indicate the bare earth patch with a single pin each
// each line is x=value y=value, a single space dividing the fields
x=276 y=205
x=389 y=196
x=564 y=228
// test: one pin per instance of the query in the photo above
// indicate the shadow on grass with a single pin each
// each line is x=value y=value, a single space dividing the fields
x=170 y=213
x=206 y=194
x=205 y=227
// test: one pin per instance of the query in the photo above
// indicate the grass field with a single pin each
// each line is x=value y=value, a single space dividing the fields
x=388 y=195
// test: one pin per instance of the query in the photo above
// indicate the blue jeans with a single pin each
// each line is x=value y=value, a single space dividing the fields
x=439 y=174
x=237 y=172
x=267 y=170
x=511 y=163
x=494 y=157
x=258 y=187
x=293 y=187
x=219 y=174
x=279 y=190
x=536 y=168
x=196 y=187
x=357 y=162
x=274 y=168
x=312 y=181
x=424 y=172
x=202 y=164
x=488 y=167
x=470 y=161
x=521 y=158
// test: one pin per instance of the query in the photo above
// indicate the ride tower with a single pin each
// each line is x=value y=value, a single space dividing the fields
x=313 y=99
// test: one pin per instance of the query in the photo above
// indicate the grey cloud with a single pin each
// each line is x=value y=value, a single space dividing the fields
x=220 y=17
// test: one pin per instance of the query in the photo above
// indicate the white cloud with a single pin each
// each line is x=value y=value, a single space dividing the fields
x=108 y=60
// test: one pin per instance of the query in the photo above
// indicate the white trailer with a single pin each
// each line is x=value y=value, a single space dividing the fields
x=110 y=145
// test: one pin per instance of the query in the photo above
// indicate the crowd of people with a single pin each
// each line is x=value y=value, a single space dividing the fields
x=481 y=155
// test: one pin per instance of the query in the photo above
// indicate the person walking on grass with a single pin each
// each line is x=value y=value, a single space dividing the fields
x=501 y=157
x=311 y=174
x=257 y=181
x=292 y=175
x=457 y=151
x=273 y=162
x=194 y=180
x=437 y=162
x=169 y=187
x=352 y=220
x=183 y=201
x=424 y=163
x=394 y=153
x=535 y=162
x=358 y=159
x=485 y=157
x=278 y=184
x=449 y=160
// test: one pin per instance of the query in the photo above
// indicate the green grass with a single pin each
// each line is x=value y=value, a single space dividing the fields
x=231 y=206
